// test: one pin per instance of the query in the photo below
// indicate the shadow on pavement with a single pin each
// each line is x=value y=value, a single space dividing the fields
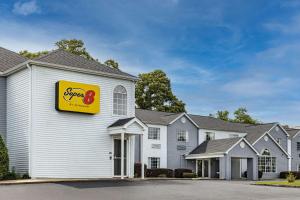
x=118 y=183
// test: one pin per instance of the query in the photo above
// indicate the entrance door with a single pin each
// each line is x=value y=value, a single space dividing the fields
x=117 y=157
x=203 y=168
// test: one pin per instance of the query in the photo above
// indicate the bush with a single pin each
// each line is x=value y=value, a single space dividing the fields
x=4 y=161
x=159 y=172
x=26 y=176
x=285 y=174
x=178 y=173
x=11 y=176
x=189 y=175
x=291 y=177
x=138 y=169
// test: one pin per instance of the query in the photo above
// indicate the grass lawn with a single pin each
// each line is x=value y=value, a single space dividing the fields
x=280 y=183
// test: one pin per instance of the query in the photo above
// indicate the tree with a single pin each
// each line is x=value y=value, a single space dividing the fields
x=4 y=160
x=74 y=46
x=111 y=63
x=31 y=55
x=153 y=92
x=241 y=116
x=224 y=115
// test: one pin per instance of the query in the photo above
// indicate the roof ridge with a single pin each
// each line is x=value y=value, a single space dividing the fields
x=47 y=54
x=171 y=113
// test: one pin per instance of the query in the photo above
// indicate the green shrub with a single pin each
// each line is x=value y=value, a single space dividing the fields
x=4 y=161
x=11 y=176
x=25 y=176
x=159 y=171
x=291 y=177
x=178 y=173
x=189 y=175
x=138 y=168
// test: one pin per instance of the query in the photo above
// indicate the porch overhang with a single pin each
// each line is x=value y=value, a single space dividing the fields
x=205 y=155
x=131 y=126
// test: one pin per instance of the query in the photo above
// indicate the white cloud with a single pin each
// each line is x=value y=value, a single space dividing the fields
x=26 y=8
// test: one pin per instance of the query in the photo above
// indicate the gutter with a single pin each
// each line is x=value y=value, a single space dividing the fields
x=30 y=120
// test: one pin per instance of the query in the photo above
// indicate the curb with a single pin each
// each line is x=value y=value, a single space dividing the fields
x=284 y=186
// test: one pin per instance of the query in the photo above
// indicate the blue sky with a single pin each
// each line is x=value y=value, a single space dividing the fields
x=218 y=54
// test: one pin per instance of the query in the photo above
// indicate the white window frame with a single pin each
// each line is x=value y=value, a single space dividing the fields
x=120 y=102
x=151 y=165
x=181 y=135
x=267 y=163
x=154 y=133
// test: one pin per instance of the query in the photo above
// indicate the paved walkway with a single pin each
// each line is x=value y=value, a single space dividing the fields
x=147 y=190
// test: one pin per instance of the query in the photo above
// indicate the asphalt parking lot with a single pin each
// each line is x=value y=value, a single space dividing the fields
x=147 y=190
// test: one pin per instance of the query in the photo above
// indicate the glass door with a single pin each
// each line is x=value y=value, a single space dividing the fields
x=117 y=157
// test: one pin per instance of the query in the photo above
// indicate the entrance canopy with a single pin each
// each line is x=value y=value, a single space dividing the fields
x=130 y=125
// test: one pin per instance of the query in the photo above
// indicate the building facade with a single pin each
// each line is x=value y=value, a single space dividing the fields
x=86 y=130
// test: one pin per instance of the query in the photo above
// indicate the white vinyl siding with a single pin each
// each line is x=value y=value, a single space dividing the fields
x=18 y=102
x=73 y=145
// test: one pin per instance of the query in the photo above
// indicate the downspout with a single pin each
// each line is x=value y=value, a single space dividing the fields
x=30 y=122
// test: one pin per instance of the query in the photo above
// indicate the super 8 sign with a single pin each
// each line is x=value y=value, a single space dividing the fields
x=77 y=97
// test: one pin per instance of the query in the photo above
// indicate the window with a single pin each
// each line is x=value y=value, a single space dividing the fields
x=266 y=163
x=154 y=133
x=210 y=136
x=298 y=146
x=299 y=168
x=120 y=101
x=154 y=162
x=181 y=135
x=278 y=140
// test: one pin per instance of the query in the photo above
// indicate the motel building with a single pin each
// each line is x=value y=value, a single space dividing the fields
x=63 y=116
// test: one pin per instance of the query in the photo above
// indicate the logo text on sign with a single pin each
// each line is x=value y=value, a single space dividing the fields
x=77 y=97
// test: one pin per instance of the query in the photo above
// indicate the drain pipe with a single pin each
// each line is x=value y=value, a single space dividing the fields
x=30 y=121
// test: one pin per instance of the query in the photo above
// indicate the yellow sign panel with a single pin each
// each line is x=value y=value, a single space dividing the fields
x=77 y=97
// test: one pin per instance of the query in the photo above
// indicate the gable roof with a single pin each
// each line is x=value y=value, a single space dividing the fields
x=11 y=62
x=254 y=131
x=155 y=117
x=62 y=57
x=9 y=59
x=292 y=131
x=121 y=122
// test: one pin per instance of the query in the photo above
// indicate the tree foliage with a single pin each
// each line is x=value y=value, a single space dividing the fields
x=112 y=63
x=4 y=161
x=240 y=116
x=74 y=46
x=224 y=115
x=153 y=92
x=31 y=55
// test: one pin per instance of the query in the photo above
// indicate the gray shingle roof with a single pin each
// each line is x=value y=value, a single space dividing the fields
x=254 y=131
x=155 y=117
x=215 y=146
x=121 y=122
x=62 y=57
x=9 y=59
x=292 y=131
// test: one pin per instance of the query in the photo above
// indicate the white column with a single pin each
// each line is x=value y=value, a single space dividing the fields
x=142 y=156
x=196 y=161
x=122 y=155
x=209 y=169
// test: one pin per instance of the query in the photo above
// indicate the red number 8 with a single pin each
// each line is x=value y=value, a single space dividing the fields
x=89 y=97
